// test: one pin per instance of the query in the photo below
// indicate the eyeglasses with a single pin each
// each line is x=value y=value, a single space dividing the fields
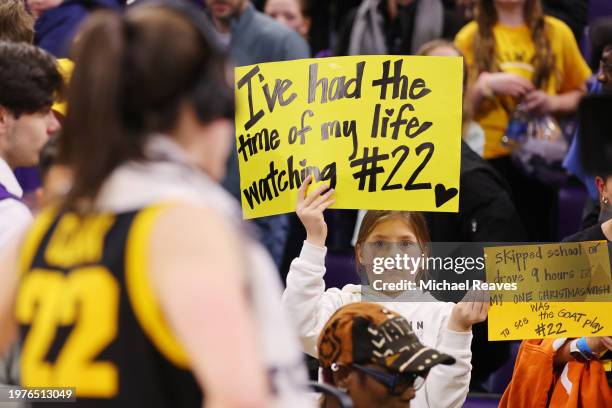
x=397 y=383
x=401 y=244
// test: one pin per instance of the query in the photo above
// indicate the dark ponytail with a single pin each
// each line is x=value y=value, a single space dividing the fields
x=131 y=77
x=92 y=141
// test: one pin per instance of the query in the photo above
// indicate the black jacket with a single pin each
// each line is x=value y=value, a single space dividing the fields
x=592 y=233
x=486 y=210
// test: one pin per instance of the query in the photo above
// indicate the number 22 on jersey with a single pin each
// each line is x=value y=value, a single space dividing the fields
x=86 y=299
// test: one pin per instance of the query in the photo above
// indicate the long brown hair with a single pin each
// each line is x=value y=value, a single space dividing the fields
x=415 y=220
x=16 y=24
x=132 y=75
x=484 y=42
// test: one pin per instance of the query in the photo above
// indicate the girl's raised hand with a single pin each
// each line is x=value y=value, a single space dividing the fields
x=310 y=209
x=472 y=309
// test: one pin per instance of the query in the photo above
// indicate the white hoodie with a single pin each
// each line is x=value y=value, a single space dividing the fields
x=310 y=306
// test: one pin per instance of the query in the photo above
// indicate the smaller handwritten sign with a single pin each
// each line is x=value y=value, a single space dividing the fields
x=562 y=290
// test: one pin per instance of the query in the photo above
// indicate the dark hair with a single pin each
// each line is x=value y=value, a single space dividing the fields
x=16 y=24
x=29 y=78
x=48 y=156
x=601 y=37
x=484 y=43
x=304 y=7
x=132 y=74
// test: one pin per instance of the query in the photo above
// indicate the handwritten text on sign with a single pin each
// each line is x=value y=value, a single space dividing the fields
x=564 y=290
x=383 y=131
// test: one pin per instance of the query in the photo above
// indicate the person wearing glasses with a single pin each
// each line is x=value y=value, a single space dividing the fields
x=372 y=354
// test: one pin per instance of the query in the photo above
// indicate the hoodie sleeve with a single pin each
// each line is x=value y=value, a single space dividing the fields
x=447 y=386
x=307 y=302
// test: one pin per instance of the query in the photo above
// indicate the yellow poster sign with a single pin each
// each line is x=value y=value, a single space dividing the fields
x=383 y=131
x=560 y=290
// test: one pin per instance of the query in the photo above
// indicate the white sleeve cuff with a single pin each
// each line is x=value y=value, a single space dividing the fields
x=456 y=340
x=313 y=254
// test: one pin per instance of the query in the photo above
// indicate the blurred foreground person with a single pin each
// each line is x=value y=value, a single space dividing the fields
x=133 y=283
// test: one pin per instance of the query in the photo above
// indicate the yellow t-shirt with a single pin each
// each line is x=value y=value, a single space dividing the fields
x=515 y=50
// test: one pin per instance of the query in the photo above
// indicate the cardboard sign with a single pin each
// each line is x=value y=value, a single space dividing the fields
x=383 y=131
x=562 y=290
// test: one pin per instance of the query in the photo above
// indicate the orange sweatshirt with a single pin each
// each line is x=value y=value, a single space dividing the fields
x=535 y=384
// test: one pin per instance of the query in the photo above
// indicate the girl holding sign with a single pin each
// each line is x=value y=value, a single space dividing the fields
x=444 y=326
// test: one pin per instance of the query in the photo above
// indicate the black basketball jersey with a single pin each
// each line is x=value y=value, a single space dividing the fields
x=88 y=317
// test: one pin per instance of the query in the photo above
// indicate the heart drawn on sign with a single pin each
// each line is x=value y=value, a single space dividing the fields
x=443 y=194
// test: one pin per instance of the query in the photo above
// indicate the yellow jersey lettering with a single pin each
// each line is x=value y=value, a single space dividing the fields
x=78 y=240
x=86 y=298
